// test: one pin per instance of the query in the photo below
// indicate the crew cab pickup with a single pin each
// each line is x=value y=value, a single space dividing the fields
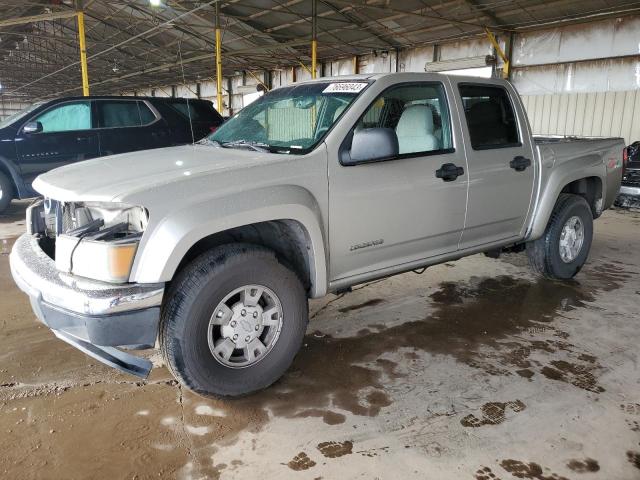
x=212 y=250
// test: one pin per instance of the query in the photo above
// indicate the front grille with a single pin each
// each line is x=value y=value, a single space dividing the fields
x=631 y=178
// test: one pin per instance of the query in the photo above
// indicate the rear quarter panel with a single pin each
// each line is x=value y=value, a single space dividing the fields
x=563 y=162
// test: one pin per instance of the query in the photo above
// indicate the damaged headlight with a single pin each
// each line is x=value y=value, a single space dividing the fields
x=98 y=240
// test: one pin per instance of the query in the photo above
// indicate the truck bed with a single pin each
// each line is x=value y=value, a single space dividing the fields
x=579 y=152
x=557 y=139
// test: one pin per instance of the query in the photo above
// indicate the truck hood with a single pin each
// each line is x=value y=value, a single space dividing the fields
x=108 y=178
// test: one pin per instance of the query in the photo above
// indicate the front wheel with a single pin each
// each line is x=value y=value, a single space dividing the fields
x=563 y=249
x=233 y=321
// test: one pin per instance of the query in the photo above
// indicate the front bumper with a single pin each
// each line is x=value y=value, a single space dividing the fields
x=92 y=316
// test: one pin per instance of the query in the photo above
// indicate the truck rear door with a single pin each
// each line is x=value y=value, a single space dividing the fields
x=500 y=161
x=126 y=126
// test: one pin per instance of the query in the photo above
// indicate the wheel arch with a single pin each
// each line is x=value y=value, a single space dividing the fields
x=11 y=172
x=587 y=183
x=287 y=238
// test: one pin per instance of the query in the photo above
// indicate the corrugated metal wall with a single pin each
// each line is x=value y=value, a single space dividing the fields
x=9 y=106
x=600 y=114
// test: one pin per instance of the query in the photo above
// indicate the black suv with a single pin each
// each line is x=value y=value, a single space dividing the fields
x=66 y=130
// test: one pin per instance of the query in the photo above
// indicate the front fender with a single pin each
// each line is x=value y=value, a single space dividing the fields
x=165 y=245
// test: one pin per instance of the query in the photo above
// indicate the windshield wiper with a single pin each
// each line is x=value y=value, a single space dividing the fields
x=257 y=146
x=208 y=141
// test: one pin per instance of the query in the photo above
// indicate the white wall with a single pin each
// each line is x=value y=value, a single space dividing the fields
x=599 y=114
x=9 y=106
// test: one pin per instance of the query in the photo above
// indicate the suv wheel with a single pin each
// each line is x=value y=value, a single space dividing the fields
x=563 y=249
x=6 y=192
x=233 y=321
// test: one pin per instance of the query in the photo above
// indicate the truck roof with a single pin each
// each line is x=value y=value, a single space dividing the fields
x=399 y=75
x=125 y=97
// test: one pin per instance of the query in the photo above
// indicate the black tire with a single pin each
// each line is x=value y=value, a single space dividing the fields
x=544 y=253
x=193 y=297
x=6 y=192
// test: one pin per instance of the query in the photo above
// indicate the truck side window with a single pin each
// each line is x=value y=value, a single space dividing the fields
x=66 y=117
x=419 y=114
x=490 y=117
x=123 y=113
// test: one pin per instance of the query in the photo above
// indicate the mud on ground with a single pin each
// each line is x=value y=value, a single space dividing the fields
x=475 y=369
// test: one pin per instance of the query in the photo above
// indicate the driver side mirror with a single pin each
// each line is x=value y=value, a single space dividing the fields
x=32 y=127
x=371 y=145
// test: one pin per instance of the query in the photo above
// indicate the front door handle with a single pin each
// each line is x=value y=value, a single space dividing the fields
x=519 y=163
x=449 y=172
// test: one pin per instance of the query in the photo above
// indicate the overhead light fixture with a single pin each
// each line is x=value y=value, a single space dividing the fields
x=155 y=3
x=460 y=63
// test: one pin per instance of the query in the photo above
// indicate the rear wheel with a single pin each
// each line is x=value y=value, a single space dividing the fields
x=6 y=192
x=233 y=321
x=563 y=249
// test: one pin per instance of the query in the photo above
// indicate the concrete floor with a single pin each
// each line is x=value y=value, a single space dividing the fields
x=475 y=370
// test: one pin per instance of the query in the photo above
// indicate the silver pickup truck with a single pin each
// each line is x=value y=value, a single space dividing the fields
x=212 y=250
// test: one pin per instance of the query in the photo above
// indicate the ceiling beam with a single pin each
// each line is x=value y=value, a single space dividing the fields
x=36 y=18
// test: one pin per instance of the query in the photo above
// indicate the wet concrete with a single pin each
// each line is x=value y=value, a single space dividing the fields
x=475 y=369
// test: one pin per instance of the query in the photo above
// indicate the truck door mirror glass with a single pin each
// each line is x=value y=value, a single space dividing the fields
x=372 y=145
x=32 y=127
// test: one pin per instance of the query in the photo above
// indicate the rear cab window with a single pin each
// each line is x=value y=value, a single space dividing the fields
x=418 y=113
x=123 y=113
x=490 y=117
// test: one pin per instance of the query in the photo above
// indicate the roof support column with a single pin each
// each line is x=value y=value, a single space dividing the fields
x=83 y=50
x=504 y=56
x=219 y=60
x=314 y=42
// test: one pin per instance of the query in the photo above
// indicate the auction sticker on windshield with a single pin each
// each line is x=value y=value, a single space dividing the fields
x=345 y=87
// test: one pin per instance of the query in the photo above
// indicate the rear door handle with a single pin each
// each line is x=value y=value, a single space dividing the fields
x=448 y=172
x=519 y=163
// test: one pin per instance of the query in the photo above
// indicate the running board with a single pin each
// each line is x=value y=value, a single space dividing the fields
x=113 y=357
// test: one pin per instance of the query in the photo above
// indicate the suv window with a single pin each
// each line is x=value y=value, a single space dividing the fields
x=490 y=117
x=66 y=117
x=123 y=113
x=418 y=113
x=198 y=111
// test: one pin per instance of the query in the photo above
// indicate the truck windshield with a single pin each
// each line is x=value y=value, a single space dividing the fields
x=289 y=120
x=18 y=115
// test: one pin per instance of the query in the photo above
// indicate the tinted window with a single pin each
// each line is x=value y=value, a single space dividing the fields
x=146 y=115
x=119 y=113
x=490 y=117
x=198 y=111
x=417 y=112
x=66 y=117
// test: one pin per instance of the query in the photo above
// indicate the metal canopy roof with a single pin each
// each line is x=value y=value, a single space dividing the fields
x=131 y=44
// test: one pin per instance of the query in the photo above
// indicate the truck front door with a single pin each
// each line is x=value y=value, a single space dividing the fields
x=500 y=160
x=394 y=212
